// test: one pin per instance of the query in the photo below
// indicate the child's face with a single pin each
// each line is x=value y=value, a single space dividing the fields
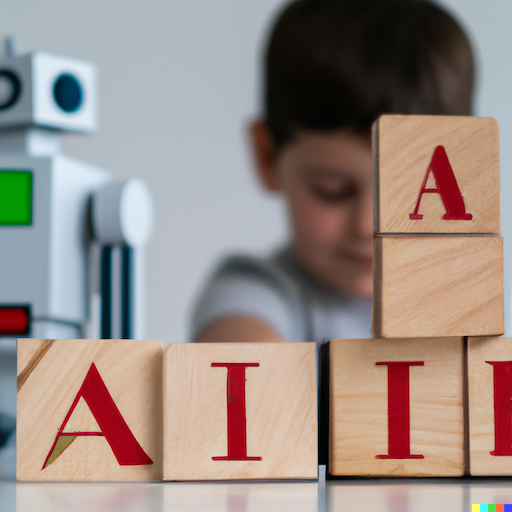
x=327 y=180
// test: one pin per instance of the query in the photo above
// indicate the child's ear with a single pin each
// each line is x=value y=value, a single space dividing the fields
x=264 y=155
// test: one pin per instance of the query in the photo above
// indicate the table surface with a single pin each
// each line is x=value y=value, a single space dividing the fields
x=351 y=494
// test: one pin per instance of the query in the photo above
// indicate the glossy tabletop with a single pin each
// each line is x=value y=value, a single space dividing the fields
x=354 y=494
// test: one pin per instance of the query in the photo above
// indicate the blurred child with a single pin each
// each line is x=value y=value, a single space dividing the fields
x=331 y=68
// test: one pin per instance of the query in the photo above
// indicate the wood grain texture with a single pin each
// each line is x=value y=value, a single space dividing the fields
x=482 y=439
x=359 y=407
x=281 y=411
x=403 y=150
x=51 y=374
x=431 y=286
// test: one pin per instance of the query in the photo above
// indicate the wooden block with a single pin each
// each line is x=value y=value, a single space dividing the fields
x=437 y=286
x=397 y=407
x=240 y=411
x=89 y=410
x=455 y=158
x=490 y=406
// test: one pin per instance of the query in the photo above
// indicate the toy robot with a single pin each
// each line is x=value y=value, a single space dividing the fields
x=71 y=239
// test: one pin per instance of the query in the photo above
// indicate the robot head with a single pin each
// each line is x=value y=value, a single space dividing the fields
x=41 y=89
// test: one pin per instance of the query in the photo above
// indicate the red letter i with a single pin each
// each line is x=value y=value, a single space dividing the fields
x=502 y=407
x=237 y=424
x=399 y=428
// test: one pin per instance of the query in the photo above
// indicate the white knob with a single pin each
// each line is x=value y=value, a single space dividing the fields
x=122 y=213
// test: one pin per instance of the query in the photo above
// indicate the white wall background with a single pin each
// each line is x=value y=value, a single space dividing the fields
x=178 y=83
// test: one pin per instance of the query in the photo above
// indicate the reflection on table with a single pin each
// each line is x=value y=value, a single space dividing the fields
x=108 y=497
x=361 y=495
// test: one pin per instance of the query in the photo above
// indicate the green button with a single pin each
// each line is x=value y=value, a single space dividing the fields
x=15 y=198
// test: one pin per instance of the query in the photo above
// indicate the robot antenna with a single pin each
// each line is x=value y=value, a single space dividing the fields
x=11 y=46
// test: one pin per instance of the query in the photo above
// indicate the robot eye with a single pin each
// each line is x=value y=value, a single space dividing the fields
x=10 y=89
x=67 y=92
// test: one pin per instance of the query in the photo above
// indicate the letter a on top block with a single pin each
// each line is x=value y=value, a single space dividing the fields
x=396 y=407
x=446 y=187
x=235 y=411
x=436 y=174
x=89 y=410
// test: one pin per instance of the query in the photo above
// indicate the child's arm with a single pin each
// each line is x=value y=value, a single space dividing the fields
x=249 y=300
x=238 y=328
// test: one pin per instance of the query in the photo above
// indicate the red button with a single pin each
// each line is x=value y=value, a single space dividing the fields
x=14 y=320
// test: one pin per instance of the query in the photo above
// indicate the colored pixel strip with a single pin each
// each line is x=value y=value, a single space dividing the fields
x=480 y=507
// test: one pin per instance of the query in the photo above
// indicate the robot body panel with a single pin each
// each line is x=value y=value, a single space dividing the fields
x=24 y=258
x=46 y=263
x=73 y=185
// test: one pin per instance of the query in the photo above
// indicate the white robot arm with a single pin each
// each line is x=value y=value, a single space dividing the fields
x=122 y=222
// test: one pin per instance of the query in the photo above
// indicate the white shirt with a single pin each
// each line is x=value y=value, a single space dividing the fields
x=280 y=293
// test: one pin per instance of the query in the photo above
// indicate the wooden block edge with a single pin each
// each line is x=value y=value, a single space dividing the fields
x=377 y=288
x=376 y=195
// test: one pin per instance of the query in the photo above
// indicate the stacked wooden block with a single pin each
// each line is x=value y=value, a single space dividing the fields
x=437 y=253
x=398 y=401
x=429 y=395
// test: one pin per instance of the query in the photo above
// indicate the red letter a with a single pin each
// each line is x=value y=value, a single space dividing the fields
x=127 y=450
x=447 y=188
x=237 y=425
x=399 y=429
x=502 y=407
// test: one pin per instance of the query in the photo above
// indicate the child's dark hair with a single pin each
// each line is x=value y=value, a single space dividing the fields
x=341 y=63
